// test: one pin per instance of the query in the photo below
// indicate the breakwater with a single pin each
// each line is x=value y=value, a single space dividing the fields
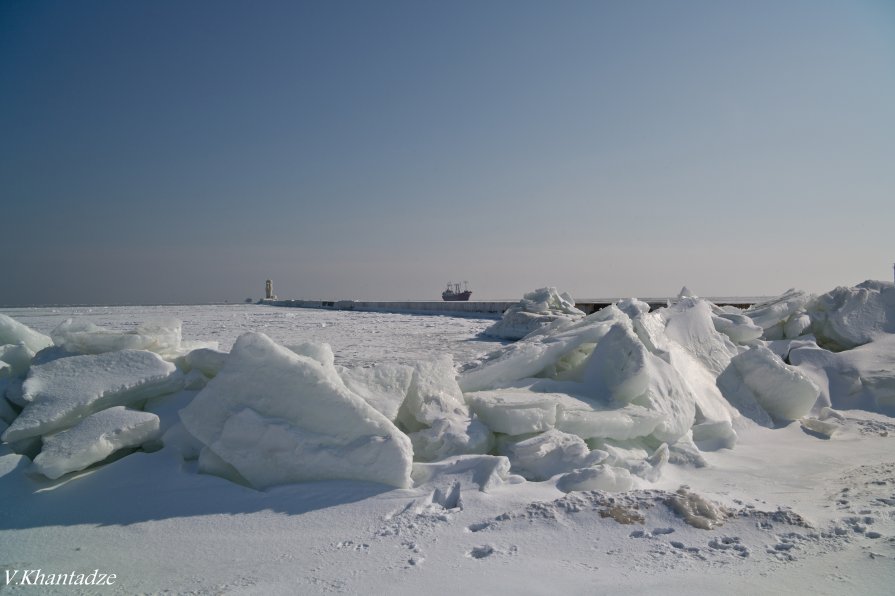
x=484 y=309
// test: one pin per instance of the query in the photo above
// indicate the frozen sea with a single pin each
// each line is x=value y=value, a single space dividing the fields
x=794 y=511
x=357 y=338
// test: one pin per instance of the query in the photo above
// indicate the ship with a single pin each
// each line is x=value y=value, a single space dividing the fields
x=453 y=293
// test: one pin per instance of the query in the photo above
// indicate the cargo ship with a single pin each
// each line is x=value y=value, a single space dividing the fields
x=453 y=293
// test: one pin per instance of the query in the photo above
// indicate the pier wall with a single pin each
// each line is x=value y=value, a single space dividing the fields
x=471 y=309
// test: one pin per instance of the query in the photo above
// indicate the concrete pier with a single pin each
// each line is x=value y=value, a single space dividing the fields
x=482 y=309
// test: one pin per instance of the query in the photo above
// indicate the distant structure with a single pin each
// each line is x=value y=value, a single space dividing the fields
x=268 y=291
x=454 y=294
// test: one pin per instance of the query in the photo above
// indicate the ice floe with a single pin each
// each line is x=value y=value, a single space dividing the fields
x=536 y=310
x=94 y=439
x=278 y=417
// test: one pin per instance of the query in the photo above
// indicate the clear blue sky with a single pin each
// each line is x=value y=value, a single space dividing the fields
x=186 y=151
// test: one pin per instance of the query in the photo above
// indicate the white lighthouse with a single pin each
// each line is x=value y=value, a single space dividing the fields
x=268 y=290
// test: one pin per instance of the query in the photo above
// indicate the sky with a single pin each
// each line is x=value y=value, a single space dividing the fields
x=178 y=152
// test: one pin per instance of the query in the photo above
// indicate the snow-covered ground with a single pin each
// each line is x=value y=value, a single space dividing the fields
x=693 y=449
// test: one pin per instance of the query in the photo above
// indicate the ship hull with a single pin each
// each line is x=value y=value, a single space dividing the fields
x=452 y=297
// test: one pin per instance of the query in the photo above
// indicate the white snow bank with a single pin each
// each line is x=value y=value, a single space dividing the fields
x=277 y=417
x=62 y=392
x=845 y=318
x=82 y=337
x=773 y=315
x=94 y=439
x=13 y=332
x=536 y=310
x=436 y=416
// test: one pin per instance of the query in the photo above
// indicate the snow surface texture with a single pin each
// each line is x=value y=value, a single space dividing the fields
x=565 y=450
x=536 y=310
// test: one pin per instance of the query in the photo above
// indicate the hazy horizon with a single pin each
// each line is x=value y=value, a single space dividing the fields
x=164 y=152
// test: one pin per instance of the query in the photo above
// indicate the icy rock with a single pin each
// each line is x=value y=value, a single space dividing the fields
x=772 y=315
x=5 y=370
x=205 y=360
x=82 y=337
x=548 y=454
x=845 y=318
x=483 y=471
x=94 y=439
x=60 y=393
x=436 y=415
x=536 y=310
x=277 y=417
x=383 y=386
x=862 y=378
x=600 y=477
x=758 y=375
x=13 y=332
x=18 y=357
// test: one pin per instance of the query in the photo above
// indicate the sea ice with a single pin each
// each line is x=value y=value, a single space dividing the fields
x=622 y=371
x=530 y=356
x=18 y=357
x=13 y=332
x=208 y=361
x=277 y=417
x=485 y=472
x=600 y=477
x=93 y=439
x=548 y=454
x=536 y=310
x=82 y=337
x=436 y=415
x=862 y=378
x=758 y=376
x=383 y=386
x=845 y=318
x=62 y=392
x=773 y=314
